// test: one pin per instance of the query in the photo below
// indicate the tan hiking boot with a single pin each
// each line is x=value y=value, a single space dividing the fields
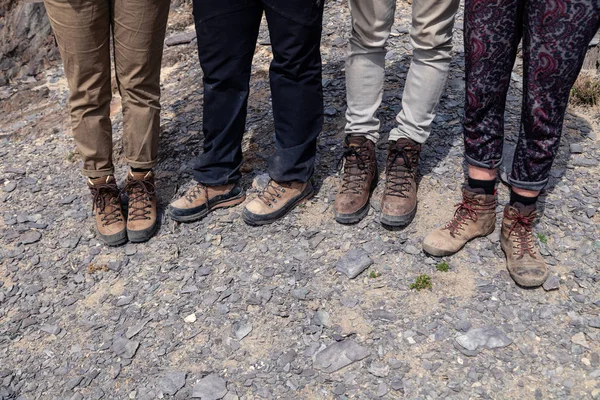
x=359 y=179
x=110 y=221
x=399 y=202
x=523 y=260
x=276 y=200
x=141 y=213
x=199 y=200
x=474 y=217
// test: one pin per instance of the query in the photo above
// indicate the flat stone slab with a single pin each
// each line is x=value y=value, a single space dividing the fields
x=339 y=355
x=180 y=38
x=353 y=263
x=488 y=337
x=211 y=387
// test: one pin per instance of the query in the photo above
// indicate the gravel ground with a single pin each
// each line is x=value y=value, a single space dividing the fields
x=219 y=310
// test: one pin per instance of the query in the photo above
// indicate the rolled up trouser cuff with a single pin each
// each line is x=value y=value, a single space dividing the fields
x=142 y=165
x=490 y=164
x=534 y=186
x=397 y=133
x=97 y=173
x=372 y=136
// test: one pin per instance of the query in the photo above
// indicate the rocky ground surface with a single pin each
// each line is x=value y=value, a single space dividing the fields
x=219 y=310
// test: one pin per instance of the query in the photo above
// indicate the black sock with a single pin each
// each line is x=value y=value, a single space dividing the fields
x=517 y=198
x=488 y=186
x=140 y=169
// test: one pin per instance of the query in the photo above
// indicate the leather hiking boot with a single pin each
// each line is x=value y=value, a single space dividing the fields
x=141 y=212
x=523 y=260
x=358 y=181
x=199 y=200
x=110 y=221
x=474 y=217
x=275 y=201
x=399 y=202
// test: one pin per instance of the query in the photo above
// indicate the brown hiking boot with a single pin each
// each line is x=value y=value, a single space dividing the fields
x=199 y=200
x=359 y=179
x=474 y=217
x=110 y=221
x=141 y=213
x=523 y=260
x=276 y=200
x=399 y=202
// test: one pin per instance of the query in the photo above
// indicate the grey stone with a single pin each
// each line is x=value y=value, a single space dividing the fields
x=180 y=38
x=462 y=325
x=594 y=322
x=382 y=389
x=488 y=337
x=242 y=329
x=384 y=315
x=413 y=250
x=322 y=318
x=353 y=263
x=171 y=382
x=30 y=237
x=339 y=355
x=50 y=329
x=576 y=148
x=552 y=283
x=9 y=187
x=125 y=348
x=211 y=387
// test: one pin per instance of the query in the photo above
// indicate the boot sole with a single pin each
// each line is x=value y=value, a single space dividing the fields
x=222 y=204
x=252 y=220
x=442 y=253
x=355 y=217
x=114 y=240
x=396 y=221
x=142 y=235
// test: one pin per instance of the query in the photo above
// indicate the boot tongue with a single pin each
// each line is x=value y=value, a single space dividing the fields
x=525 y=210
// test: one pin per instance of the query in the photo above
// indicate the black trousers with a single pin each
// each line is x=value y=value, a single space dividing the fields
x=227 y=31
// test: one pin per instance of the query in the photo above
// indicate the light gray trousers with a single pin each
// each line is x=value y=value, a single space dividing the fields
x=431 y=38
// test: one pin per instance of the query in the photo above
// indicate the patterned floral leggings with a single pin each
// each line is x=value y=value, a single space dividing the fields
x=555 y=35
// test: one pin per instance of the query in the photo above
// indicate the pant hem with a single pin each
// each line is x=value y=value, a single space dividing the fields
x=143 y=165
x=535 y=186
x=492 y=164
x=97 y=173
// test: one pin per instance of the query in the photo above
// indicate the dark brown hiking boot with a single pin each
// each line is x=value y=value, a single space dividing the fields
x=359 y=179
x=399 y=202
x=141 y=213
x=199 y=200
x=110 y=221
x=523 y=260
x=474 y=217
x=275 y=201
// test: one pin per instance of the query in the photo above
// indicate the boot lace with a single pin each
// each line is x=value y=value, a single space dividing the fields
x=400 y=175
x=140 y=194
x=106 y=201
x=466 y=210
x=522 y=227
x=272 y=192
x=196 y=191
x=356 y=169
